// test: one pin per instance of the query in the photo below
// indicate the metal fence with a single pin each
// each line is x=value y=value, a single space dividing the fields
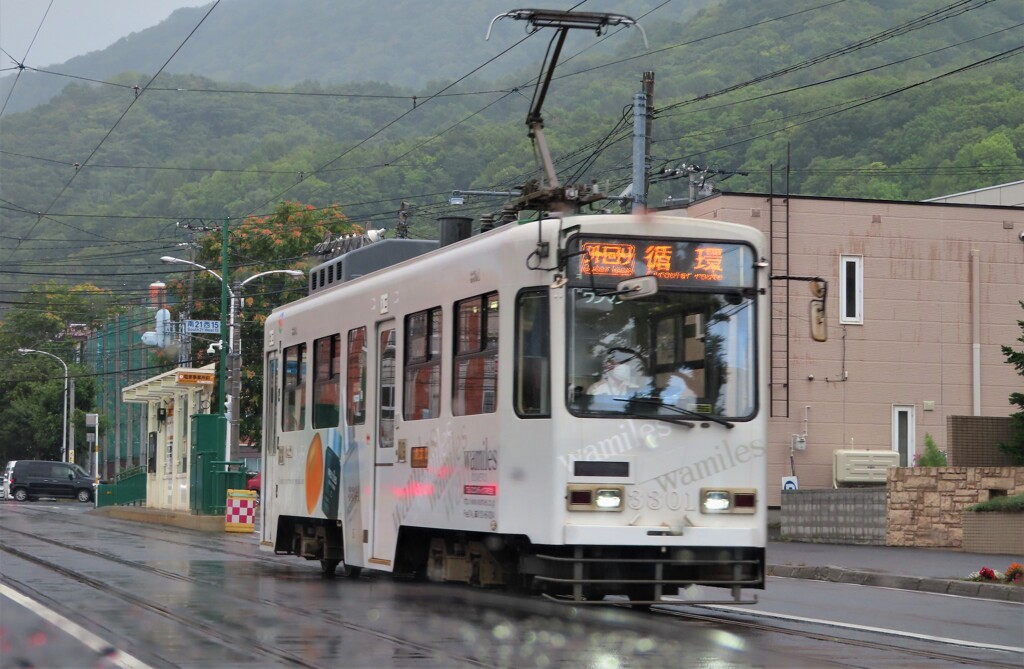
x=128 y=488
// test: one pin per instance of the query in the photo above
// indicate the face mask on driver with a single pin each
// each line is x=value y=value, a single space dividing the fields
x=620 y=372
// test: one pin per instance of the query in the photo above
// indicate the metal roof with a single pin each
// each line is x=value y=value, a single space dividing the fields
x=167 y=384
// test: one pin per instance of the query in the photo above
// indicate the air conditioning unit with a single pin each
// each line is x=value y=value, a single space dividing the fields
x=860 y=467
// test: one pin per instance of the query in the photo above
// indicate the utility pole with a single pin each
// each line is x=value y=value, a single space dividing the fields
x=118 y=382
x=235 y=366
x=648 y=84
x=639 y=155
x=71 y=420
x=224 y=335
x=643 y=107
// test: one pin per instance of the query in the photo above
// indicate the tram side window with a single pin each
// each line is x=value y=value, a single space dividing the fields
x=475 y=379
x=532 y=376
x=355 y=401
x=293 y=405
x=422 y=394
x=326 y=381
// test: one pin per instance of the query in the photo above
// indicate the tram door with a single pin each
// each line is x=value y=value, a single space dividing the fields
x=383 y=539
x=268 y=489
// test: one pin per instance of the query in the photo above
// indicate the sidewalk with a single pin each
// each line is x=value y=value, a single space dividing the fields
x=923 y=569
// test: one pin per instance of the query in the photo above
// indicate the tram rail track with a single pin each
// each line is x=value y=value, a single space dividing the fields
x=230 y=546
x=903 y=649
x=202 y=628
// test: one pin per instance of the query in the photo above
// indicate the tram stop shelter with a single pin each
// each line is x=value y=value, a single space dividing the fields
x=171 y=399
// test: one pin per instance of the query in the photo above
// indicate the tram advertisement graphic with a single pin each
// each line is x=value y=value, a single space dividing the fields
x=332 y=473
x=314 y=473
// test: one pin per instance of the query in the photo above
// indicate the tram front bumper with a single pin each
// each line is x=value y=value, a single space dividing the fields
x=657 y=535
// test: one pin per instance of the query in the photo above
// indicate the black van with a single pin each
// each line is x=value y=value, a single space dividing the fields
x=29 y=479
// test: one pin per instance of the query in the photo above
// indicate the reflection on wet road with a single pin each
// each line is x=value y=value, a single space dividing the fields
x=168 y=597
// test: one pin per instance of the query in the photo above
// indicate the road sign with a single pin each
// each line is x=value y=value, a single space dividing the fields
x=790 y=483
x=202 y=327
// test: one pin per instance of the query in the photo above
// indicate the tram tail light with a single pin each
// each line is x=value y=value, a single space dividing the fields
x=595 y=497
x=728 y=500
x=744 y=500
x=581 y=497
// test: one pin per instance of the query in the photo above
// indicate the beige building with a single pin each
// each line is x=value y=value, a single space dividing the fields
x=920 y=298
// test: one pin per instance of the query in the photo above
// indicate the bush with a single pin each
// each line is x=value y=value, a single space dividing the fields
x=932 y=456
x=1006 y=503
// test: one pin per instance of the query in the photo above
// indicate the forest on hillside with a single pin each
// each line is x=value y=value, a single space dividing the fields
x=857 y=98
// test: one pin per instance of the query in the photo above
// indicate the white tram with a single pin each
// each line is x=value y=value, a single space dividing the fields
x=574 y=406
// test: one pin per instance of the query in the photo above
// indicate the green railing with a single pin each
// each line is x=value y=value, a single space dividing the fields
x=128 y=488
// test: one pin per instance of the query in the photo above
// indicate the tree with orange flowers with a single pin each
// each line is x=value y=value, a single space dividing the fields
x=282 y=240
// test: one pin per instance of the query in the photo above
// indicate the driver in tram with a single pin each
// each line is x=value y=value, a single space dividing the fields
x=621 y=374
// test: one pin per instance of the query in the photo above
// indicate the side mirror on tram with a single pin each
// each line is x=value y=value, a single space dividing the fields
x=635 y=288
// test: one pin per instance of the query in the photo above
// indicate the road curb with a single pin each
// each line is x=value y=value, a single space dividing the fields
x=163 y=517
x=996 y=591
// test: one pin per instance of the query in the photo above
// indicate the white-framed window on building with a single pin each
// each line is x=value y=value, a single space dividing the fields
x=903 y=433
x=851 y=289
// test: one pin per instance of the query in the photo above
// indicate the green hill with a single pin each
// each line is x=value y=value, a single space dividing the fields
x=867 y=100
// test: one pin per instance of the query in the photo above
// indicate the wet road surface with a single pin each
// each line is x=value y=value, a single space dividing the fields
x=81 y=590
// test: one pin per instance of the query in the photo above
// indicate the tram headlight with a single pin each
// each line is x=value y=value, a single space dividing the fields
x=728 y=500
x=609 y=498
x=716 y=501
x=591 y=497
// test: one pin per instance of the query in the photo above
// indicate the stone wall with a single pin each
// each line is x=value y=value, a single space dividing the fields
x=973 y=441
x=835 y=516
x=926 y=504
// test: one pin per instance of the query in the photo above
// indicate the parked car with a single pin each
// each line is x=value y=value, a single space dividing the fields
x=31 y=479
x=255 y=482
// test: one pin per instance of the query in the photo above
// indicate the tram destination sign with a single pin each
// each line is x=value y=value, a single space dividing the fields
x=674 y=262
x=202 y=327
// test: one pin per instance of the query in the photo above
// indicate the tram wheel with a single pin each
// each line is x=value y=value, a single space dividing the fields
x=329 y=567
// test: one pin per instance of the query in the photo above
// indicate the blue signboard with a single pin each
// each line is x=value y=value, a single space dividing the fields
x=203 y=327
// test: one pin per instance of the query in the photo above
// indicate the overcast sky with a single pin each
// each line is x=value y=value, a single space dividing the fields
x=74 y=27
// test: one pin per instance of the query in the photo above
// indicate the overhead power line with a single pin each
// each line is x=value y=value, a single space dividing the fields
x=118 y=121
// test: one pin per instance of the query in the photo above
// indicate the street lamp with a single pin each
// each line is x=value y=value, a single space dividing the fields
x=236 y=352
x=234 y=344
x=64 y=435
x=224 y=339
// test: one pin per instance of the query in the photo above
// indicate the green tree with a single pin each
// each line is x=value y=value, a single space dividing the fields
x=32 y=386
x=1015 y=447
x=282 y=240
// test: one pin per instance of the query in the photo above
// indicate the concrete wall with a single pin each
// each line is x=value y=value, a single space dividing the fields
x=836 y=516
x=974 y=440
x=916 y=343
x=920 y=506
x=926 y=504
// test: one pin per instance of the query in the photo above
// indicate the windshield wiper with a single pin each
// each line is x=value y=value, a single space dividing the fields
x=685 y=412
x=666 y=419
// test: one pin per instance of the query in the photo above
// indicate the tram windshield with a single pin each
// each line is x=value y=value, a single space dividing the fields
x=677 y=355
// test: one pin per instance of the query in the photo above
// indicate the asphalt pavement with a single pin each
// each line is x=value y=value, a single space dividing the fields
x=924 y=569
